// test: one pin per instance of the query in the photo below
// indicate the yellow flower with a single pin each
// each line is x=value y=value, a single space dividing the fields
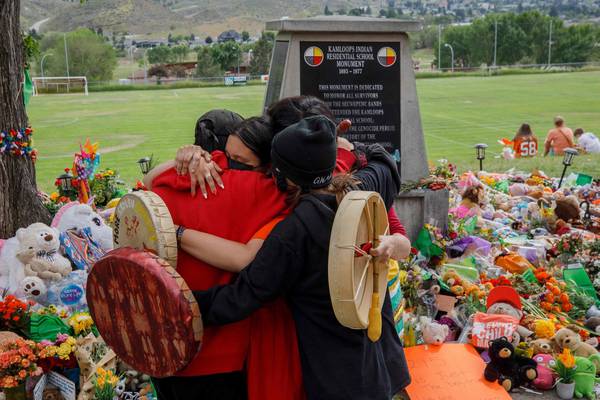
x=54 y=196
x=567 y=359
x=101 y=371
x=100 y=382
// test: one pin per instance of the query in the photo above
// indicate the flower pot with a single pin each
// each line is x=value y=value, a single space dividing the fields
x=15 y=393
x=565 y=390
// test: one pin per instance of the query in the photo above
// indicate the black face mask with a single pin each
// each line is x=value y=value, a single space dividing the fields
x=238 y=165
x=280 y=181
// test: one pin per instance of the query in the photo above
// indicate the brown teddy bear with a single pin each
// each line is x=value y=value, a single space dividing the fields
x=566 y=338
x=542 y=346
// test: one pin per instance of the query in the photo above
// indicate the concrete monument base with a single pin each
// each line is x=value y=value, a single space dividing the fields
x=419 y=207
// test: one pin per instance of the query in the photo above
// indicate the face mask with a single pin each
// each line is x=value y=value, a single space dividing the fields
x=280 y=181
x=238 y=165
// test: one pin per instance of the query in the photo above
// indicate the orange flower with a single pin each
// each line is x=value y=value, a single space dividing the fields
x=567 y=359
x=22 y=374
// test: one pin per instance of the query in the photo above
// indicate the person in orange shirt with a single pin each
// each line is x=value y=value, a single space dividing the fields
x=559 y=138
x=525 y=144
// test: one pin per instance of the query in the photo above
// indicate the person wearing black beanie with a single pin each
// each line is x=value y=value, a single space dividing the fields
x=337 y=362
x=305 y=153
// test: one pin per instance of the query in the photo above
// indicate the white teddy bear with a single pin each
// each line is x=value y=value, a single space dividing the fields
x=34 y=252
x=78 y=216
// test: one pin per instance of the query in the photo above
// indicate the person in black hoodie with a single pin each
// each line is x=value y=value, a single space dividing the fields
x=337 y=362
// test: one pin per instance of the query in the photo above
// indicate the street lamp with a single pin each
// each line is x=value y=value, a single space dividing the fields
x=144 y=164
x=451 y=55
x=42 y=62
x=567 y=161
x=480 y=148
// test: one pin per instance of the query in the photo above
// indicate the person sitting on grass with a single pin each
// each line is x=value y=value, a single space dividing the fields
x=559 y=138
x=588 y=142
x=525 y=144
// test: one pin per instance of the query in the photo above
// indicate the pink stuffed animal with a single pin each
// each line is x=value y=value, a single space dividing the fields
x=545 y=377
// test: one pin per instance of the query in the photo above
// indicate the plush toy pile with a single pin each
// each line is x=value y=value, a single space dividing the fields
x=518 y=272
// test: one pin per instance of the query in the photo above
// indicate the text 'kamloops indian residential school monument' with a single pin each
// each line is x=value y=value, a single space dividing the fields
x=362 y=68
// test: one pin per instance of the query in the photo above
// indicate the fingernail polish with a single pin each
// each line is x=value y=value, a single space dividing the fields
x=205 y=195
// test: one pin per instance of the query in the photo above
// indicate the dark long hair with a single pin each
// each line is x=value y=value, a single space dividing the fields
x=256 y=134
x=290 y=110
x=524 y=130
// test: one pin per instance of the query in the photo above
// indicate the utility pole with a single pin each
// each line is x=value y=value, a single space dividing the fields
x=550 y=45
x=439 y=46
x=495 y=40
x=66 y=60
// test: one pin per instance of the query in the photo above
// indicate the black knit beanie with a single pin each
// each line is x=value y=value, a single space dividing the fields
x=213 y=128
x=305 y=152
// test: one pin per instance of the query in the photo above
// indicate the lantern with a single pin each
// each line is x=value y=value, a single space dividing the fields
x=567 y=161
x=480 y=148
x=145 y=164
x=65 y=182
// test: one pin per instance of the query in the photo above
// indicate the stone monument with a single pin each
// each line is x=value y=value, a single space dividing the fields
x=362 y=68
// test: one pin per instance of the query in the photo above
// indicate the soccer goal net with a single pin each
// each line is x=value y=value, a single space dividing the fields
x=60 y=84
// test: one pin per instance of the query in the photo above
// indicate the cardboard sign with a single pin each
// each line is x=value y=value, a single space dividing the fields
x=64 y=385
x=452 y=371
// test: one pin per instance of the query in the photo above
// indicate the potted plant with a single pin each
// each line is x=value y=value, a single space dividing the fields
x=564 y=367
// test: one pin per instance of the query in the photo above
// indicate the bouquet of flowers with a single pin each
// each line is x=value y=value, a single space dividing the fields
x=60 y=353
x=18 y=362
x=104 y=384
x=570 y=244
x=14 y=314
x=564 y=366
x=82 y=323
x=104 y=186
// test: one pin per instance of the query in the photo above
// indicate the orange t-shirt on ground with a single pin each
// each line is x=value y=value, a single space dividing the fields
x=560 y=139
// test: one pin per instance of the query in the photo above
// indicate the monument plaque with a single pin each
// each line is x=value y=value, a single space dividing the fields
x=362 y=68
x=359 y=81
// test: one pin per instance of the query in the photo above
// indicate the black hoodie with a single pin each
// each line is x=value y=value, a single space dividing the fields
x=337 y=362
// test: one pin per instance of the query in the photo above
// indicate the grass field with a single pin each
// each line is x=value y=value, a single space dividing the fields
x=456 y=114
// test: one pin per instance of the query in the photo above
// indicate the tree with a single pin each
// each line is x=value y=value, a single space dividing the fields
x=261 y=56
x=208 y=40
x=226 y=54
x=159 y=71
x=206 y=66
x=20 y=204
x=245 y=36
x=179 y=52
x=327 y=11
x=88 y=54
x=160 y=55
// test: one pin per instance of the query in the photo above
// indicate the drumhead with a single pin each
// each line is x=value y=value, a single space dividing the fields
x=144 y=311
x=143 y=222
x=359 y=221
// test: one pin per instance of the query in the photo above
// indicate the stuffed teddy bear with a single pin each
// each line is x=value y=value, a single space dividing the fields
x=32 y=252
x=433 y=333
x=77 y=216
x=506 y=368
x=567 y=208
x=34 y=288
x=566 y=338
x=545 y=377
x=39 y=252
x=585 y=376
x=542 y=346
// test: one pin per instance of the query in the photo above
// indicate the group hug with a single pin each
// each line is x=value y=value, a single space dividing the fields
x=253 y=201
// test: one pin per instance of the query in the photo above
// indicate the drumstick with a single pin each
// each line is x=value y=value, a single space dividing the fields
x=374 y=329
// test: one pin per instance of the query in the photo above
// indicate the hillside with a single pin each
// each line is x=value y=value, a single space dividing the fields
x=158 y=17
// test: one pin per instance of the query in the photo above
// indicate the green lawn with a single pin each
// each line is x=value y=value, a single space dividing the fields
x=456 y=113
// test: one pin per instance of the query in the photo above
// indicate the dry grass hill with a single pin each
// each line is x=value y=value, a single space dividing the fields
x=158 y=17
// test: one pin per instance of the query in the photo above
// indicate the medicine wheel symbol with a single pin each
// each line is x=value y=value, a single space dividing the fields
x=386 y=56
x=313 y=56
